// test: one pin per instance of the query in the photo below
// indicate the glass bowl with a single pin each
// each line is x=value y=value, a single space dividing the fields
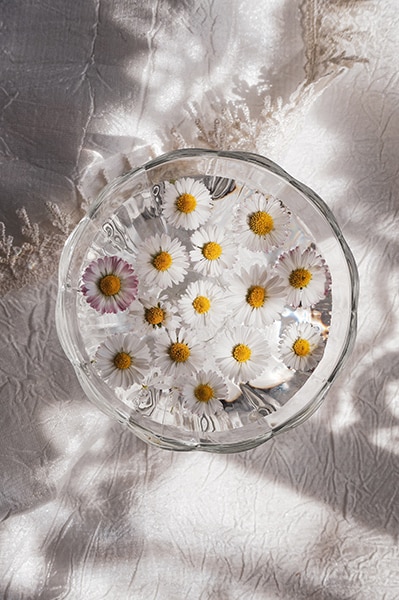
x=248 y=408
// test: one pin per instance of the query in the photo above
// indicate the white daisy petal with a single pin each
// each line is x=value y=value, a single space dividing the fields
x=241 y=353
x=187 y=203
x=257 y=296
x=305 y=276
x=161 y=261
x=202 y=394
x=203 y=307
x=262 y=223
x=122 y=360
x=214 y=251
x=301 y=346
x=179 y=353
x=153 y=314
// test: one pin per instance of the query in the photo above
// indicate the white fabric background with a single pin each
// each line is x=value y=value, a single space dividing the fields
x=90 y=512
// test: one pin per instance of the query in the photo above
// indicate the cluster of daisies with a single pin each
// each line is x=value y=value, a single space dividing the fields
x=201 y=295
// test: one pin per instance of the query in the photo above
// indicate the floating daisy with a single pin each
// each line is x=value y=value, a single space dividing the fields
x=109 y=284
x=187 y=203
x=154 y=314
x=241 y=353
x=301 y=346
x=122 y=360
x=203 y=393
x=305 y=276
x=257 y=296
x=178 y=352
x=262 y=223
x=214 y=251
x=203 y=306
x=162 y=261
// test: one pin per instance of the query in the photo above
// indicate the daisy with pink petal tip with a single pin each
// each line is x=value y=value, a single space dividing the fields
x=109 y=284
x=305 y=275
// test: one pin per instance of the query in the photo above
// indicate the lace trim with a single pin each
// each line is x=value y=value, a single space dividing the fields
x=329 y=35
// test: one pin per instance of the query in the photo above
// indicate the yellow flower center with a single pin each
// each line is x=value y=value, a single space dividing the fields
x=122 y=360
x=162 y=261
x=261 y=223
x=241 y=353
x=301 y=347
x=256 y=296
x=154 y=315
x=201 y=304
x=211 y=250
x=179 y=352
x=204 y=392
x=186 y=203
x=109 y=285
x=300 y=278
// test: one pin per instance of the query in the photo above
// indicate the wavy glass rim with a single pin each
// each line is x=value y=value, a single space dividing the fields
x=299 y=407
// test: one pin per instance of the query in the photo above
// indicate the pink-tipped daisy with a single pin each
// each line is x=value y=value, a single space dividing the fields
x=241 y=353
x=257 y=296
x=305 y=276
x=202 y=394
x=109 y=284
x=161 y=261
x=262 y=223
x=301 y=346
x=214 y=251
x=122 y=360
x=186 y=203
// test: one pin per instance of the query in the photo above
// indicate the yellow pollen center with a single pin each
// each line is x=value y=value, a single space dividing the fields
x=201 y=304
x=256 y=296
x=186 y=203
x=162 y=261
x=261 y=223
x=179 y=352
x=300 y=278
x=122 y=360
x=154 y=315
x=301 y=347
x=241 y=353
x=211 y=250
x=109 y=285
x=203 y=392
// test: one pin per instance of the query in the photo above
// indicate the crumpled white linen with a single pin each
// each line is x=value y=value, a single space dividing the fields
x=89 y=511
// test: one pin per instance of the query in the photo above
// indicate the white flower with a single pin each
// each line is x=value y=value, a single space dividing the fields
x=305 y=276
x=214 y=251
x=122 y=360
x=262 y=223
x=241 y=353
x=257 y=297
x=109 y=284
x=178 y=352
x=203 y=306
x=161 y=261
x=154 y=314
x=187 y=203
x=301 y=346
x=203 y=393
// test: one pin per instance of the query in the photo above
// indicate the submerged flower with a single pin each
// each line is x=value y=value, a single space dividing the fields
x=178 y=352
x=154 y=314
x=109 y=284
x=305 y=276
x=187 y=203
x=161 y=261
x=123 y=359
x=262 y=223
x=241 y=353
x=257 y=296
x=301 y=347
x=203 y=393
x=203 y=306
x=214 y=251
